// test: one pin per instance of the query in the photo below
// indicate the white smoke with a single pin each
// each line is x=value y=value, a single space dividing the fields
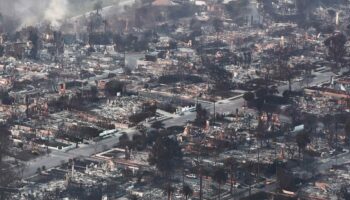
x=56 y=11
x=31 y=12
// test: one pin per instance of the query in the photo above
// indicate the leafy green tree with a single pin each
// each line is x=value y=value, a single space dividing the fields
x=261 y=130
x=113 y=87
x=52 y=195
x=166 y=155
x=38 y=170
x=344 y=192
x=328 y=121
x=169 y=190
x=187 y=191
x=96 y=193
x=310 y=124
x=236 y=8
x=124 y=140
x=302 y=139
x=94 y=94
x=304 y=7
x=98 y=6
x=231 y=164
x=273 y=90
x=336 y=47
x=249 y=96
x=2 y=51
x=347 y=130
x=218 y=26
x=261 y=93
x=202 y=115
x=34 y=38
x=285 y=179
x=150 y=108
x=4 y=142
x=139 y=141
x=220 y=77
x=5 y=98
x=220 y=176
x=133 y=197
x=287 y=73
x=147 y=2
x=157 y=125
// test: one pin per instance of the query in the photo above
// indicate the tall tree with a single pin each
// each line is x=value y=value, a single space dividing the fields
x=336 y=47
x=169 y=190
x=187 y=191
x=302 y=139
x=221 y=78
x=4 y=142
x=220 y=176
x=133 y=197
x=347 y=130
x=344 y=192
x=304 y=7
x=261 y=135
x=328 y=121
x=285 y=179
x=7 y=176
x=2 y=50
x=166 y=155
x=249 y=96
x=287 y=72
x=237 y=8
x=98 y=6
x=34 y=38
x=231 y=164
x=113 y=87
x=310 y=124
x=218 y=27
x=201 y=115
x=124 y=141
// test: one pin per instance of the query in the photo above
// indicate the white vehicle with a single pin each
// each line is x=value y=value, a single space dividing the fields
x=191 y=176
x=298 y=79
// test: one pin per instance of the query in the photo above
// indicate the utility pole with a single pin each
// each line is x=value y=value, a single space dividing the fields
x=200 y=183
x=214 y=113
x=250 y=181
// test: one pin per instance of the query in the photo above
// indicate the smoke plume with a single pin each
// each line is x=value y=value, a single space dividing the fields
x=56 y=11
x=31 y=12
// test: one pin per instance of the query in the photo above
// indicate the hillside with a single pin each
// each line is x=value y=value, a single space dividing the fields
x=78 y=7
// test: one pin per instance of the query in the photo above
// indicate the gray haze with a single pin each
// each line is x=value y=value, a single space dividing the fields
x=29 y=12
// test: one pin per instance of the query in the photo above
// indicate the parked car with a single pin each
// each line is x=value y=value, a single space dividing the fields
x=191 y=176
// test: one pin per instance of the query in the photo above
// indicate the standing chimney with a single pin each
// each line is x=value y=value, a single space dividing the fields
x=337 y=19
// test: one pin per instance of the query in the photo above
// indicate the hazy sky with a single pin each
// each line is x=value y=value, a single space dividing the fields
x=29 y=12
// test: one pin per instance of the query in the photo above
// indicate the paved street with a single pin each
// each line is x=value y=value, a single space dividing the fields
x=58 y=157
x=228 y=105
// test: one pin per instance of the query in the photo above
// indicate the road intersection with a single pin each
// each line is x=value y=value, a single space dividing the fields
x=56 y=157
